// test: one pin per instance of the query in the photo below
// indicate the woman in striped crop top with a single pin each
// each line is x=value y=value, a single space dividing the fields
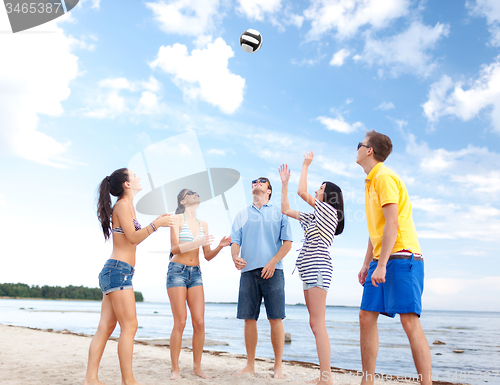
x=184 y=282
x=118 y=303
x=314 y=263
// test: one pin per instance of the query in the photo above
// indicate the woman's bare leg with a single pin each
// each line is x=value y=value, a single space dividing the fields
x=316 y=305
x=123 y=302
x=196 y=303
x=178 y=297
x=107 y=324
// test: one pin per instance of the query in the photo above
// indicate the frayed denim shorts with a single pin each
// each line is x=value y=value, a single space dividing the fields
x=180 y=275
x=115 y=275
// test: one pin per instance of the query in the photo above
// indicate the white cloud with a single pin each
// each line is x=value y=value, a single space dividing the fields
x=455 y=286
x=256 y=9
x=346 y=17
x=433 y=206
x=444 y=163
x=491 y=10
x=151 y=85
x=335 y=167
x=186 y=17
x=479 y=222
x=148 y=103
x=117 y=84
x=217 y=151
x=204 y=74
x=32 y=86
x=81 y=43
x=385 y=106
x=407 y=51
x=339 y=124
x=339 y=57
x=109 y=101
x=293 y=19
x=202 y=41
x=488 y=183
x=451 y=99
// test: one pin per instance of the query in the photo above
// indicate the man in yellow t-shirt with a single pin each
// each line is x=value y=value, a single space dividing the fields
x=393 y=270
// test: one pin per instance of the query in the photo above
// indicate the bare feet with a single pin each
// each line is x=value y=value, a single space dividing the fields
x=246 y=370
x=131 y=382
x=200 y=373
x=92 y=382
x=175 y=375
x=278 y=373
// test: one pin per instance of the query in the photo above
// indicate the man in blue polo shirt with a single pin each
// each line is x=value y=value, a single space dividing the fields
x=263 y=235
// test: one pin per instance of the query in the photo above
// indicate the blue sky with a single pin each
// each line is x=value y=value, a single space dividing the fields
x=82 y=95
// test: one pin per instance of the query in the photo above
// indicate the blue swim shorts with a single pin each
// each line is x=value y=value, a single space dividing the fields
x=179 y=275
x=115 y=275
x=253 y=288
x=401 y=292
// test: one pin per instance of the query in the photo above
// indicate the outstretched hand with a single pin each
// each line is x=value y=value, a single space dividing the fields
x=167 y=220
x=284 y=173
x=206 y=240
x=225 y=241
x=308 y=158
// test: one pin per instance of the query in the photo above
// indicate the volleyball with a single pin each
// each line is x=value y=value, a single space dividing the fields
x=251 y=40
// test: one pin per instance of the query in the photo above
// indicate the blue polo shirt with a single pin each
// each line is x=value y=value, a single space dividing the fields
x=260 y=233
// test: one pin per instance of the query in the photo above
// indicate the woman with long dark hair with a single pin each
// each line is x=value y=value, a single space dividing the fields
x=115 y=279
x=314 y=263
x=184 y=281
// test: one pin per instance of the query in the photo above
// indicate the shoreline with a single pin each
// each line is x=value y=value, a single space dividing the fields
x=30 y=343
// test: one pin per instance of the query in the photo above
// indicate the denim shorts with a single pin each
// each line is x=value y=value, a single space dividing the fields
x=253 y=288
x=115 y=275
x=180 y=275
x=401 y=292
x=319 y=283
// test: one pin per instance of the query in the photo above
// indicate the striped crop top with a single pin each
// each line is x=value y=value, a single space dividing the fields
x=186 y=235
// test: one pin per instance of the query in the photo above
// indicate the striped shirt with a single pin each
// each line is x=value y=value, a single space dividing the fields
x=319 y=230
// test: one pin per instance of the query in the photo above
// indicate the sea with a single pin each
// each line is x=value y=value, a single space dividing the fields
x=470 y=353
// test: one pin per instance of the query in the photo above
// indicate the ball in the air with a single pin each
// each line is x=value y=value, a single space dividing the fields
x=251 y=40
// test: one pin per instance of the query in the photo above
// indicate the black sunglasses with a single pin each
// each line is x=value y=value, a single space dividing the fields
x=261 y=180
x=190 y=193
x=364 y=145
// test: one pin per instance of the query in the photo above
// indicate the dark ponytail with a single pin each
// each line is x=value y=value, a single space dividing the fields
x=333 y=196
x=180 y=208
x=111 y=185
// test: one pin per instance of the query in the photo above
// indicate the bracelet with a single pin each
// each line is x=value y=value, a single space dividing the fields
x=148 y=230
x=153 y=226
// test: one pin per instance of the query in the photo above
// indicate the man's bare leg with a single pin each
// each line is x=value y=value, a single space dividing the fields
x=369 y=344
x=419 y=347
x=278 y=341
x=251 y=337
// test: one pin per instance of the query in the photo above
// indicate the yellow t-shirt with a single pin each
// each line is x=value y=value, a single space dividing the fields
x=384 y=186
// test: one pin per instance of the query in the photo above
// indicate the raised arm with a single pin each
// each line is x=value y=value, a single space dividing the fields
x=285 y=206
x=308 y=157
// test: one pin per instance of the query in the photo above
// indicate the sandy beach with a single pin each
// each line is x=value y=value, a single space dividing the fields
x=33 y=356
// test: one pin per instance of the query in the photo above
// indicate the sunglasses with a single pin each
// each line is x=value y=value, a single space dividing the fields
x=364 y=145
x=261 y=180
x=190 y=193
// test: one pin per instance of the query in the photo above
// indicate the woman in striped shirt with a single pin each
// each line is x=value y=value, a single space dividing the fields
x=314 y=262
